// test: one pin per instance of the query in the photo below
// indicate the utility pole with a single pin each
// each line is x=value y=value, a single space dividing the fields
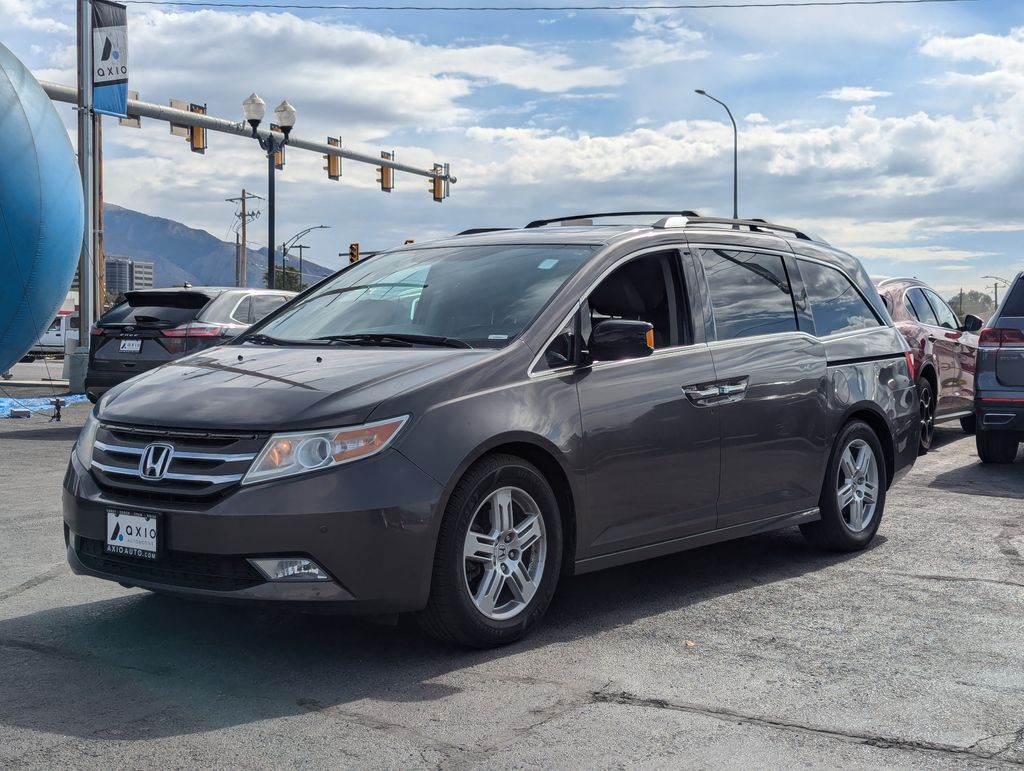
x=300 y=247
x=243 y=267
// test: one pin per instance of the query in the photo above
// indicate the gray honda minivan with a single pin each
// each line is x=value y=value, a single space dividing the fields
x=447 y=428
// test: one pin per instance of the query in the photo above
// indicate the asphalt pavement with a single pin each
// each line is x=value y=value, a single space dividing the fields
x=758 y=653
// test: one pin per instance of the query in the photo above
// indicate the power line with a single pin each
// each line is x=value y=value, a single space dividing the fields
x=545 y=8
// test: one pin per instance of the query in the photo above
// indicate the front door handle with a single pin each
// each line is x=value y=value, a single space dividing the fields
x=699 y=394
x=733 y=389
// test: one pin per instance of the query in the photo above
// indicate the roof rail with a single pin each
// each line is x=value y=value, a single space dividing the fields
x=600 y=215
x=754 y=225
x=474 y=231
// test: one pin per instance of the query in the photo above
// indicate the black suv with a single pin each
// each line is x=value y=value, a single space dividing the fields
x=154 y=326
x=447 y=428
x=999 y=395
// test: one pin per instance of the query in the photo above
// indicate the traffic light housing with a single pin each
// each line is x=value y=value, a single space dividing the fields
x=439 y=183
x=279 y=152
x=333 y=167
x=353 y=253
x=387 y=174
x=197 y=134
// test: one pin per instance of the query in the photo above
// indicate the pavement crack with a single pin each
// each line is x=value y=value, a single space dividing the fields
x=32 y=583
x=855 y=737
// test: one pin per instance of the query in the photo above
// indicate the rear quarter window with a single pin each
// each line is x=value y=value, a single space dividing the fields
x=836 y=305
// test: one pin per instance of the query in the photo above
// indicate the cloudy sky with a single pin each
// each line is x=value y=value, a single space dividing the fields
x=895 y=132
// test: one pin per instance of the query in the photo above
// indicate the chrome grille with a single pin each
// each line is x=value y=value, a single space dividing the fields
x=204 y=464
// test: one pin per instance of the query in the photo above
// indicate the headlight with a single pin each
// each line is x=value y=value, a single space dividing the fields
x=86 y=439
x=296 y=453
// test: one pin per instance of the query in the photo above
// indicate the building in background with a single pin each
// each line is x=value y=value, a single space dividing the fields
x=124 y=275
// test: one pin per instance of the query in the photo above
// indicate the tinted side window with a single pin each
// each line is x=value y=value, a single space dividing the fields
x=836 y=304
x=924 y=310
x=263 y=304
x=750 y=293
x=909 y=305
x=242 y=314
x=945 y=316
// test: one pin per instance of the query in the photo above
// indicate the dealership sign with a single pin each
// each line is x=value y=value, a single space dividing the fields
x=110 y=58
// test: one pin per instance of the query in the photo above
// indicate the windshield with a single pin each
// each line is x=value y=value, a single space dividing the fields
x=482 y=296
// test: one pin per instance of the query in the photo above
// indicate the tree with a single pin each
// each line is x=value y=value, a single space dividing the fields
x=974 y=302
x=286 y=278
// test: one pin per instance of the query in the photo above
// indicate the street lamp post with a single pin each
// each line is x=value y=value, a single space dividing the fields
x=290 y=244
x=254 y=109
x=995 y=287
x=735 y=153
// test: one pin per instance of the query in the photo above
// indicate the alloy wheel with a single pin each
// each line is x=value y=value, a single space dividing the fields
x=504 y=553
x=857 y=485
x=927 y=410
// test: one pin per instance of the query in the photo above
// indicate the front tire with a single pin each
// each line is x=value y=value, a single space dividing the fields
x=499 y=555
x=994 y=447
x=853 y=495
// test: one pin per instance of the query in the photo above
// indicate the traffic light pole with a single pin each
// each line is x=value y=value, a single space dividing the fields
x=270 y=210
x=61 y=93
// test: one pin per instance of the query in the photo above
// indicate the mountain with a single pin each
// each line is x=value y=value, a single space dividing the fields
x=180 y=253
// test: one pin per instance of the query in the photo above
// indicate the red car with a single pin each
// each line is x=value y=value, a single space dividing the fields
x=945 y=351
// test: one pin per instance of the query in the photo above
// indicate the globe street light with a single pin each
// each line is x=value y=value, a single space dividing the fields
x=735 y=153
x=254 y=109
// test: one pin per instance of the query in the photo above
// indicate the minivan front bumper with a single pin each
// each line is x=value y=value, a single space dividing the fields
x=370 y=525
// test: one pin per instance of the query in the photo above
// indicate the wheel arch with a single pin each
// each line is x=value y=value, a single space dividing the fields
x=870 y=414
x=547 y=458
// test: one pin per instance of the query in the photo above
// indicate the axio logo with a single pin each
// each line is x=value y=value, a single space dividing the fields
x=110 y=52
x=156 y=459
x=116 y=535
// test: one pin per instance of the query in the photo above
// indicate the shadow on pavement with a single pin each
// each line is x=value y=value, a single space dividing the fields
x=51 y=432
x=148 y=666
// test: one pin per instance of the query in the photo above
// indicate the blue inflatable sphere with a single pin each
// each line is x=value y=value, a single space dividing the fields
x=41 y=211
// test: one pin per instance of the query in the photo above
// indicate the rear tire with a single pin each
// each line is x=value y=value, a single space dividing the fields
x=994 y=447
x=853 y=494
x=499 y=555
x=926 y=407
x=969 y=424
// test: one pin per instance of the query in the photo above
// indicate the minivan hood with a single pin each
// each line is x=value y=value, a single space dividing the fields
x=268 y=388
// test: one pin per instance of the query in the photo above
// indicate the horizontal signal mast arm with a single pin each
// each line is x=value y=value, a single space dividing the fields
x=61 y=93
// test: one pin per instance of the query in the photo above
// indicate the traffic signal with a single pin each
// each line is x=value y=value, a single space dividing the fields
x=353 y=253
x=279 y=152
x=333 y=167
x=197 y=134
x=387 y=174
x=439 y=183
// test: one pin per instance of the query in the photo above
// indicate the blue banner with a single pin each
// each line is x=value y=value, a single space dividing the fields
x=110 y=58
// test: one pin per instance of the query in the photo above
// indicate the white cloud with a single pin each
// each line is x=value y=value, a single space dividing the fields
x=755 y=117
x=919 y=254
x=855 y=94
x=660 y=38
x=33 y=16
x=953 y=267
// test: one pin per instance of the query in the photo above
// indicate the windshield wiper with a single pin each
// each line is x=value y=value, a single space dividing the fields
x=261 y=339
x=397 y=339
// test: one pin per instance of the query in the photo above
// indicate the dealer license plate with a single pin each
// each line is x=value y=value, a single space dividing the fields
x=131 y=346
x=132 y=534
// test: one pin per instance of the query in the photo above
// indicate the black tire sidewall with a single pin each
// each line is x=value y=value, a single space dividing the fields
x=837 y=531
x=471 y=626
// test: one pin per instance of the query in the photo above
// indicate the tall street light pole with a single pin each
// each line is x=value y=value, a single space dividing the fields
x=254 y=109
x=735 y=153
x=290 y=244
x=995 y=287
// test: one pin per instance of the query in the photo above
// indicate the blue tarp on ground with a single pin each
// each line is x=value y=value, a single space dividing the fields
x=36 y=403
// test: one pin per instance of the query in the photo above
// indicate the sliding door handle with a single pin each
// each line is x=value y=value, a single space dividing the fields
x=699 y=394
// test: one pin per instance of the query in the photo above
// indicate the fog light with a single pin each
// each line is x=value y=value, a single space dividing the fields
x=289 y=569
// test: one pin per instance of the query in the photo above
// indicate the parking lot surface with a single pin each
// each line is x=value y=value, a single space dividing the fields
x=761 y=653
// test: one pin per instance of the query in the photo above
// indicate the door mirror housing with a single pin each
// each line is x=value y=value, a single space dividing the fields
x=971 y=323
x=615 y=339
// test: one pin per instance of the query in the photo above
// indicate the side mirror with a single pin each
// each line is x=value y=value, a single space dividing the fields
x=971 y=323
x=615 y=339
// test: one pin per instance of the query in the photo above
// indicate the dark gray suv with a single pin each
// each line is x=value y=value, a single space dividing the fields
x=446 y=428
x=999 y=391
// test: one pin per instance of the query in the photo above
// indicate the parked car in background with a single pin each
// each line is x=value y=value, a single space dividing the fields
x=945 y=351
x=999 y=397
x=155 y=326
x=55 y=339
x=449 y=427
